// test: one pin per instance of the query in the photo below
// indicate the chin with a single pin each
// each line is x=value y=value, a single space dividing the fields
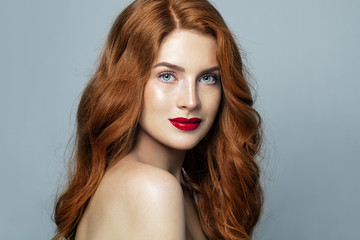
x=184 y=144
x=184 y=147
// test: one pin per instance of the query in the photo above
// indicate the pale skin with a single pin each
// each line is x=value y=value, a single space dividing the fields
x=141 y=197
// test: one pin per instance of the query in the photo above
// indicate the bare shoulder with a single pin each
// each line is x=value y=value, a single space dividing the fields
x=139 y=183
x=136 y=201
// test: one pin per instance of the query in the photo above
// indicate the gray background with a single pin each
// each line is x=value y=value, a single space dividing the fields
x=304 y=56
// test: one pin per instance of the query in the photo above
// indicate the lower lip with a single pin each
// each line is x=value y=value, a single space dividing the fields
x=185 y=126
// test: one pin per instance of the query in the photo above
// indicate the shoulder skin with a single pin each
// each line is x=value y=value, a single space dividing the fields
x=136 y=201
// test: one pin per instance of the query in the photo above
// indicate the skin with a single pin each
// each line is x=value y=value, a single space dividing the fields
x=141 y=197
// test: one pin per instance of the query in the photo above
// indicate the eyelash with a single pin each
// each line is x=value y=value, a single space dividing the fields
x=160 y=75
x=216 y=77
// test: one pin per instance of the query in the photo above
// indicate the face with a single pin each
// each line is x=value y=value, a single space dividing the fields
x=183 y=93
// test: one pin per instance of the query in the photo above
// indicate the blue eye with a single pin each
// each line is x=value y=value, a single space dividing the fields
x=209 y=79
x=166 y=77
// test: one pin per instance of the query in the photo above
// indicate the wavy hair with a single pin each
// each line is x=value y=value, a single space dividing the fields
x=221 y=170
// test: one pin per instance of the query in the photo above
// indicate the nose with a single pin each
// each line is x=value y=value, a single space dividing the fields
x=188 y=97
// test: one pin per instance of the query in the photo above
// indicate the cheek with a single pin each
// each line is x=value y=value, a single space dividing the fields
x=155 y=98
x=211 y=101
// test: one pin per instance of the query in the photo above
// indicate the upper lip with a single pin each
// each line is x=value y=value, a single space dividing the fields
x=186 y=120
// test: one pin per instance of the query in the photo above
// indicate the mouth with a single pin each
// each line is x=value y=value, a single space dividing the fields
x=185 y=124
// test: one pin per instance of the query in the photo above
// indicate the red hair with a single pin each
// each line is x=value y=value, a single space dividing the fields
x=221 y=170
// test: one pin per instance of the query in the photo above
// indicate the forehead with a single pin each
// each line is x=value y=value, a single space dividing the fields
x=187 y=47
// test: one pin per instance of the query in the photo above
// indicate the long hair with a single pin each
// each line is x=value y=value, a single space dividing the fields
x=221 y=170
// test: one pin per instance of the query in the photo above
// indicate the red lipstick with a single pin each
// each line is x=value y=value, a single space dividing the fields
x=185 y=124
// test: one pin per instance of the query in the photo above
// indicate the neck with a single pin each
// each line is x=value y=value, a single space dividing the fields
x=149 y=151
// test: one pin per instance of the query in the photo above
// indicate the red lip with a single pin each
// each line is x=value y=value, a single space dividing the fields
x=185 y=124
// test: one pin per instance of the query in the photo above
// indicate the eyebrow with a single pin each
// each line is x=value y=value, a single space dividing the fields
x=169 y=65
x=181 y=69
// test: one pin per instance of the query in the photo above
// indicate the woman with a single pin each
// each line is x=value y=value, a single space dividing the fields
x=166 y=132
